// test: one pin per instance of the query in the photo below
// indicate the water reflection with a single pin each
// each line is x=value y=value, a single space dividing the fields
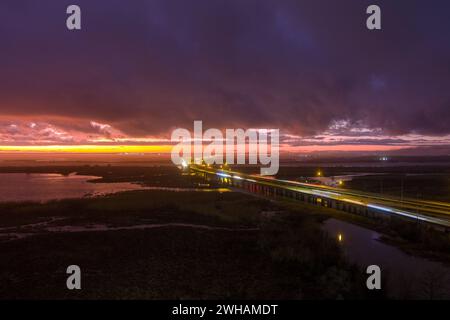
x=49 y=186
x=408 y=276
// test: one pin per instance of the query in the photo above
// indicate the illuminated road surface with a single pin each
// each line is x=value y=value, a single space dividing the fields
x=428 y=211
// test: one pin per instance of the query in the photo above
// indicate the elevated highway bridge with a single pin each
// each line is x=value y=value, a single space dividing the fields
x=434 y=213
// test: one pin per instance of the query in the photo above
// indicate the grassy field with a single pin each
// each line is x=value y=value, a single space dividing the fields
x=426 y=186
x=201 y=245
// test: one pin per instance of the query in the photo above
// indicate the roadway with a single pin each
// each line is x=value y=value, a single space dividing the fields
x=433 y=212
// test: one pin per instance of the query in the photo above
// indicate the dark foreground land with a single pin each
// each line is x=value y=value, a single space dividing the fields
x=156 y=244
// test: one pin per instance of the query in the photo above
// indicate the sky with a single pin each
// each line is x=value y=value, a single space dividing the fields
x=139 y=69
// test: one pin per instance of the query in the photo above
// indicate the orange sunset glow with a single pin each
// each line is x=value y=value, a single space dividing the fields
x=87 y=149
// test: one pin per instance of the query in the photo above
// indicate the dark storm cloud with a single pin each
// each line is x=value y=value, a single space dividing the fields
x=147 y=66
